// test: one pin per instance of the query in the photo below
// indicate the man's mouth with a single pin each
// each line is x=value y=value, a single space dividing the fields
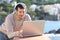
x=21 y=16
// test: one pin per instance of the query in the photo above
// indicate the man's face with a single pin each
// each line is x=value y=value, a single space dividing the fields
x=20 y=13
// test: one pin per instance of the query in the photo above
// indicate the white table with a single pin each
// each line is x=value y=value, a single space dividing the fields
x=34 y=38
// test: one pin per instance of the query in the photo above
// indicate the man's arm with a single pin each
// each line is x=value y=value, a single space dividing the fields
x=7 y=27
x=28 y=18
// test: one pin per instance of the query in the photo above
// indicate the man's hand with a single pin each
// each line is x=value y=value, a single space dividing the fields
x=19 y=33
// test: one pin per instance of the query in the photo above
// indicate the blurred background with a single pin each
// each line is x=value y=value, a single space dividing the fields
x=48 y=10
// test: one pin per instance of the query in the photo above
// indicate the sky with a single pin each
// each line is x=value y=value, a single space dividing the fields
x=50 y=25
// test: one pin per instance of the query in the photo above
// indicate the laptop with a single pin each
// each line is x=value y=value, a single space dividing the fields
x=33 y=28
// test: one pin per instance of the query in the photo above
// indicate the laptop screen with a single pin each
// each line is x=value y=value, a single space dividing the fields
x=33 y=28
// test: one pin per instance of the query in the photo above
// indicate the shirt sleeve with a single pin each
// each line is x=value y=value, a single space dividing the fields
x=28 y=18
x=7 y=27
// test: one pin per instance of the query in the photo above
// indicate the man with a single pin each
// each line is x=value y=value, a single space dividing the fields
x=12 y=26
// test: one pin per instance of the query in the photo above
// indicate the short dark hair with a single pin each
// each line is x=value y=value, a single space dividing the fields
x=19 y=6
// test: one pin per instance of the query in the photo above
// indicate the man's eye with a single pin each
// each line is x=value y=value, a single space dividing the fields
x=19 y=12
x=23 y=11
